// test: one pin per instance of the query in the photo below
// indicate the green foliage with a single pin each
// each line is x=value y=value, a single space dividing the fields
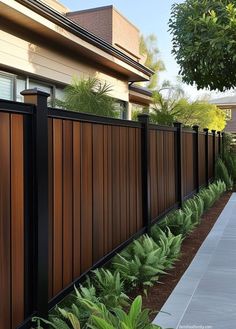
x=141 y=262
x=203 y=36
x=222 y=174
x=179 y=222
x=148 y=48
x=109 y=287
x=172 y=106
x=196 y=205
x=170 y=243
x=101 y=318
x=229 y=160
x=136 y=318
x=89 y=96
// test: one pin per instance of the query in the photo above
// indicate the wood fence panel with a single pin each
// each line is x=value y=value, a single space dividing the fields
x=189 y=158
x=202 y=159
x=11 y=220
x=210 y=156
x=162 y=171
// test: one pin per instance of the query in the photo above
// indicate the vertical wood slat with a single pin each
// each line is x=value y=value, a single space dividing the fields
x=98 y=197
x=17 y=219
x=57 y=150
x=76 y=198
x=5 y=222
x=50 y=208
x=67 y=203
x=116 y=186
x=86 y=197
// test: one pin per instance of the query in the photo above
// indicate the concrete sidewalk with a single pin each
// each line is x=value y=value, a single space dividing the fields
x=205 y=297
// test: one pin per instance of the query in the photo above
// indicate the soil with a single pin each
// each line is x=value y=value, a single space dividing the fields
x=159 y=293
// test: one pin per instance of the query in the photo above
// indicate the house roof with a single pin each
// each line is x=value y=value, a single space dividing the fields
x=69 y=25
x=228 y=100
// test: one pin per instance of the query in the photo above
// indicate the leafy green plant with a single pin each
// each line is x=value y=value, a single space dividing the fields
x=101 y=318
x=222 y=174
x=109 y=287
x=141 y=262
x=89 y=96
x=179 y=222
x=196 y=206
x=169 y=242
x=136 y=318
x=229 y=160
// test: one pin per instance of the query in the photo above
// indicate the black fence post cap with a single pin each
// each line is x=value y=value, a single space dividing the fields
x=177 y=124
x=213 y=131
x=34 y=91
x=206 y=130
x=143 y=117
x=196 y=128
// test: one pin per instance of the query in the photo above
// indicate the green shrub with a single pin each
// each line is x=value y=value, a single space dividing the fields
x=101 y=318
x=196 y=206
x=179 y=222
x=136 y=318
x=208 y=198
x=169 y=242
x=109 y=287
x=229 y=160
x=222 y=174
x=141 y=262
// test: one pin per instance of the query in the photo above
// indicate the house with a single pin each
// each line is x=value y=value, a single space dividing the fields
x=228 y=105
x=44 y=45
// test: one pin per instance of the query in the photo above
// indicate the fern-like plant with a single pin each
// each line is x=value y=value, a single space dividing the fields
x=179 y=222
x=223 y=174
x=169 y=242
x=141 y=262
x=109 y=287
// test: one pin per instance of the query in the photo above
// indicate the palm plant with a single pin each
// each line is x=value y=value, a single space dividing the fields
x=89 y=96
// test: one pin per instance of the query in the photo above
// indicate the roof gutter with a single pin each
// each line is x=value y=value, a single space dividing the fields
x=67 y=24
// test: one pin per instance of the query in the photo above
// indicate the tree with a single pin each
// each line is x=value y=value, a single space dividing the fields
x=89 y=96
x=148 y=48
x=204 y=42
x=173 y=106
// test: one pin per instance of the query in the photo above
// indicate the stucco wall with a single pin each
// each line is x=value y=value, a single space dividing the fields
x=19 y=54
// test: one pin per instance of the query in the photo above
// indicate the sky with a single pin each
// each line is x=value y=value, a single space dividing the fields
x=150 y=16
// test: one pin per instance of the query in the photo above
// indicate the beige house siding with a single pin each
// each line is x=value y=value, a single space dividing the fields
x=18 y=54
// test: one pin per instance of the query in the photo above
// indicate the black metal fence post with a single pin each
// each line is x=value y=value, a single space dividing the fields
x=179 y=157
x=214 y=151
x=144 y=119
x=40 y=197
x=206 y=130
x=219 y=142
x=196 y=129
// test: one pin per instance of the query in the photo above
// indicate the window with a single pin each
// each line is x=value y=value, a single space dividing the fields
x=12 y=85
x=228 y=114
x=6 y=86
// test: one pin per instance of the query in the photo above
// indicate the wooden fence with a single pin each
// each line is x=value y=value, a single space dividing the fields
x=76 y=188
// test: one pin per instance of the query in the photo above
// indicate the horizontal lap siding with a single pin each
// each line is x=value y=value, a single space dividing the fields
x=162 y=171
x=189 y=163
x=11 y=220
x=96 y=196
x=202 y=159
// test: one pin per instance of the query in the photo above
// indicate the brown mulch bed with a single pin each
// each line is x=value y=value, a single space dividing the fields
x=159 y=293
